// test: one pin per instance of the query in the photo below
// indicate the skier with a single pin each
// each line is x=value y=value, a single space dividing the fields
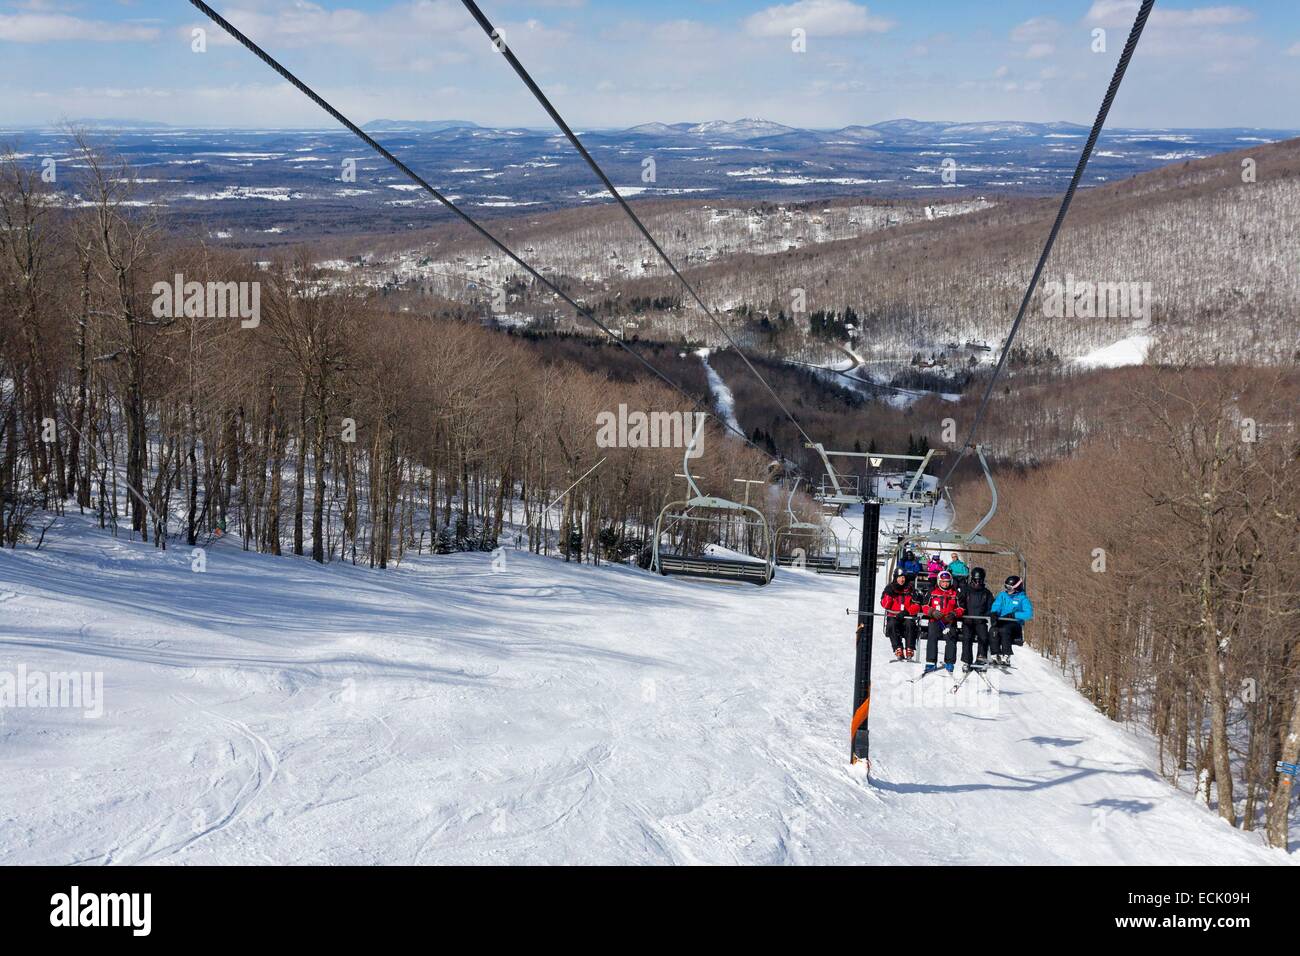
x=899 y=601
x=910 y=566
x=976 y=601
x=935 y=566
x=943 y=608
x=958 y=568
x=1011 y=609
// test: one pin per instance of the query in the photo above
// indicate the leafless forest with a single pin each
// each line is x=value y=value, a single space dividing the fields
x=1210 y=236
x=1166 y=575
x=336 y=427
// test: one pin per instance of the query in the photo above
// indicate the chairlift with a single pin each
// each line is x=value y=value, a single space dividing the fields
x=970 y=543
x=850 y=555
x=710 y=538
x=809 y=544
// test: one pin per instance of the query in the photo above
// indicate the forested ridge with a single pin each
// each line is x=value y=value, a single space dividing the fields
x=338 y=426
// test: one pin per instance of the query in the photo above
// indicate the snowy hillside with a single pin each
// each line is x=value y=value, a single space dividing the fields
x=271 y=710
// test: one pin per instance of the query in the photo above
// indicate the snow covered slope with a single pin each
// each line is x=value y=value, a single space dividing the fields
x=269 y=710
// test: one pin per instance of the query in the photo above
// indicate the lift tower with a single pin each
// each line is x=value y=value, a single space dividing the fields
x=841 y=490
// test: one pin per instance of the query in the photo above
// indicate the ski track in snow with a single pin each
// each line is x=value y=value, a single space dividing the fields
x=273 y=711
x=724 y=402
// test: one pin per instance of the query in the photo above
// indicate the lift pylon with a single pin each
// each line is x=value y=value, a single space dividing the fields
x=846 y=490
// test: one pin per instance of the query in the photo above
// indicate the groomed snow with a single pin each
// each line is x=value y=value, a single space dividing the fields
x=271 y=710
x=724 y=402
x=1130 y=351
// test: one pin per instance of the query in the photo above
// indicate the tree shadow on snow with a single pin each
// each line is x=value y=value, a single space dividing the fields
x=1124 y=806
x=1069 y=773
x=1055 y=741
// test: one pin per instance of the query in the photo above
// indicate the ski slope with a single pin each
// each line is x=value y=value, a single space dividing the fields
x=269 y=710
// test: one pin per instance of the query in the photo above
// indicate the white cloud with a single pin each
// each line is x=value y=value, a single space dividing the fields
x=1035 y=30
x=1120 y=13
x=816 y=18
x=1038 y=36
x=54 y=27
x=120 y=93
x=1200 y=32
x=418 y=37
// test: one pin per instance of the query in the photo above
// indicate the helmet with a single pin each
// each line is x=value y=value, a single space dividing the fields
x=945 y=576
x=1013 y=582
x=977 y=575
x=899 y=573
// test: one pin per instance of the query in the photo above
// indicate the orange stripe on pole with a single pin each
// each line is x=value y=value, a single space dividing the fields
x=859 y=716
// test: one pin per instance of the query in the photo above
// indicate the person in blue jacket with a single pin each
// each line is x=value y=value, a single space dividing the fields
x=1011 y=609
x=909 y=565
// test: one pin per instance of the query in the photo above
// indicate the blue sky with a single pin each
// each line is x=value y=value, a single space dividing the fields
x=613 y=63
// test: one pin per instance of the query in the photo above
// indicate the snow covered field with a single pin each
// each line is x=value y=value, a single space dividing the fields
x=271 y=711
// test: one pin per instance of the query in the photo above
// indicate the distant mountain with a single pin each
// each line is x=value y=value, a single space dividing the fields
x=908 y=128
x=741 y=129
x=116 y=123
x=862 y=133
x=1011 y=129
x=424 y=126
x=942 y=129
x=655 y=129
x=730 y=130
x=745 y=130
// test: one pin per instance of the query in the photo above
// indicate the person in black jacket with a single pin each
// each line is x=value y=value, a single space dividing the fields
x=976 y=601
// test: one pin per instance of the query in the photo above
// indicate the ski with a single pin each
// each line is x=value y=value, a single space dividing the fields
x=927 y=674
x=982 y=675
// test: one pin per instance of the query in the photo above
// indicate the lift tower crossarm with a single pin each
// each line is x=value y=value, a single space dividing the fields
x=840 y=496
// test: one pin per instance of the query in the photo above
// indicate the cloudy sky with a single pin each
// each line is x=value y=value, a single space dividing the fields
x=614 y=63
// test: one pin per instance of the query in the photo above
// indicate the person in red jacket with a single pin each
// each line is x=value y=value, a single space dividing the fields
x=899 y=602
x=942 y=608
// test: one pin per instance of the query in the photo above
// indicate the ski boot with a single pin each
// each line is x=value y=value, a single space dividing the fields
x=949 y=668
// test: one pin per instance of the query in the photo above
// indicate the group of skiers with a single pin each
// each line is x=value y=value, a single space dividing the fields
x=955 y=606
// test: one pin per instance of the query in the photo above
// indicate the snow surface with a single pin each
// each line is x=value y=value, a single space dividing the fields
x=272 y=710
x=724 y=402
x=1130 y=351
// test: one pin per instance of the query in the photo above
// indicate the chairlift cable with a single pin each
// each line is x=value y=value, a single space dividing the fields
x=864 y=382
x=464 y=216
x=499 y=41
x=1120 y=68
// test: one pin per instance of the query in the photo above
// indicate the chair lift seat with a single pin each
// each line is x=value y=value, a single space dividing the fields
x=722 y=569
x=731 y=566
